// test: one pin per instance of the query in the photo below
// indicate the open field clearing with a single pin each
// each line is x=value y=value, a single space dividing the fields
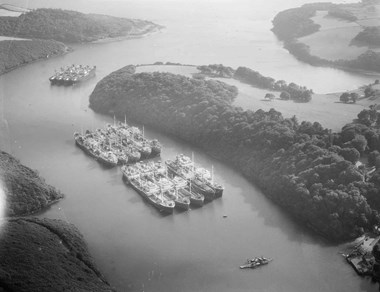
x=332 y=41
x=323 y=108
x=4 y=12
x=4 y=38
x=367 y=15
x=175 y=69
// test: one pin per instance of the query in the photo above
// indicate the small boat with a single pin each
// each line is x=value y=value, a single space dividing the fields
x=255 y=263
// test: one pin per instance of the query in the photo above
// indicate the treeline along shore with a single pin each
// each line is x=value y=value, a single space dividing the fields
x=39 y=254
x=303 y=167
x=291 y=24
x=14 y=54
x=48 y=31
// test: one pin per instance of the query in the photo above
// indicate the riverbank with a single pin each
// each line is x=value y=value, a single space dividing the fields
x=18 y=53
x=324 y=34
x=295 y=163
x=39 y=254
x=326 y=109
x=24 y=192
x=138 y=33
x=46 y=255
x=47 y=31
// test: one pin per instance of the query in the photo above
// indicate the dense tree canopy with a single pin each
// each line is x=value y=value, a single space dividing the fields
x=68 y=26
x=16 y=53
x=303 y=167
x=294 y=91
x=26 y=191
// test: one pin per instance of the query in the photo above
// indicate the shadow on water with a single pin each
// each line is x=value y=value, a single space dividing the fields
x=277 y=217
x=368 y=284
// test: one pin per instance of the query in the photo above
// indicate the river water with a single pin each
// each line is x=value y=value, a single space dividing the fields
x=136 y=247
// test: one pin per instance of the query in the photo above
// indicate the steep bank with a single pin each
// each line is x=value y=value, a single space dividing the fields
x=301 y=166
x=71 y=26
x=49 y=29
x=39 y=254
x=25 y=191
x=46 y=255
x=14 y=54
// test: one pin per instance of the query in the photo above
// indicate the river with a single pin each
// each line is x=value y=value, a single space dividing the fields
x=134 y=246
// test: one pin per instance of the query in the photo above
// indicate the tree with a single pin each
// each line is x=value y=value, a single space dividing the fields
x=350 y=154
x=285 y=95
x=374 y=159
x=344 y=97
x=280 y=84
x=305 y=96
x=359 y=143
x=369 y=91
x=354 y=97
x=270 y=96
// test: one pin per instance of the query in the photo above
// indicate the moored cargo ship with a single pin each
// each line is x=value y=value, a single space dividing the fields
x=183 y=166
x=147 y=189
x=72 y=74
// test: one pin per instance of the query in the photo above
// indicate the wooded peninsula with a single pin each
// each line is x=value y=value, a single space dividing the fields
x=305 y=168
x=47 y=31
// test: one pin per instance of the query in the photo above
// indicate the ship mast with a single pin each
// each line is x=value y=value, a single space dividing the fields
x=192 y=160
x=212 y=174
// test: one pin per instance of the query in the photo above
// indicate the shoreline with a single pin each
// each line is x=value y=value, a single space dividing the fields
x=152 y=30
x=265 y=159
x=291 y=25
x=21 y=64
x=143 y=34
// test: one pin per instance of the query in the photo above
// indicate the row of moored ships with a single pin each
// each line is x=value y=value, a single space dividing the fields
x=72 y=74
x=117 y=144
x=175 y=183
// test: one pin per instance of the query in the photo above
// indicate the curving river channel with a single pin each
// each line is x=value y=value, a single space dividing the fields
x=136 y=247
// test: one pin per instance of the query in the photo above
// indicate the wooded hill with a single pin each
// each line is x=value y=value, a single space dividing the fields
x=25 y=191
x=301 y=166
x=70 y=26
x=17 y=53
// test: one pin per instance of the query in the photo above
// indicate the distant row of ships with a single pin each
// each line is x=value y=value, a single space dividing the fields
x=176 y=183
x=72 y=74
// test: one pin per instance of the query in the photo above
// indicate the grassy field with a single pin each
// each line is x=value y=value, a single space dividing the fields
x=175 y=69
x=4 y=12
x=332 y=41
x=11 y=10
x=324 y=108
x=4 y=38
